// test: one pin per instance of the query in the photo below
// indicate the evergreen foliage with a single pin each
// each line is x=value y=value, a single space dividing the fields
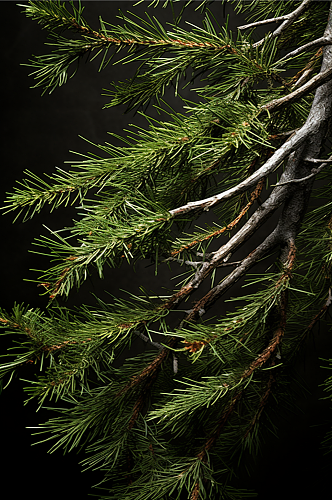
x=179 y=420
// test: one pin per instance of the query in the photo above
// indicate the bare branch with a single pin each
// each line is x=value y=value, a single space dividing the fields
x=314 y=171
x=146 y=339
x=318 y=113
x=209 y=299
x=276 y=198
x=264 y=21
x=290 y=19
x=182 y=261
x=317 y=160
x=302 y=79
x=269 y=166
x=323 y=40
x=308 y=87
x=281 y=135
x=304 y=72
x=225 y=264
x=254 y=195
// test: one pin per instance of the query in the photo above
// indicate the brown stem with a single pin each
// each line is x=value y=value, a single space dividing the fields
x=275 y=341
x=152 y=369
x=130 y=41
x=314 y=321
x=202 y=455
x=195 y=492
x=320 y=313
x=261 y=405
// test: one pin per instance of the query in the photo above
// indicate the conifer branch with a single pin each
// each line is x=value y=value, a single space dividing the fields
x=151 y=370
x=240 y=135
x=270 y=165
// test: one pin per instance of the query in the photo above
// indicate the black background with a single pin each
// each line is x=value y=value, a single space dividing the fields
x=37 y=134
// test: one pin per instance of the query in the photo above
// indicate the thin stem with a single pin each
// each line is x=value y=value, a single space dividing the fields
x=303 y=73
x=131 y=41
x=146 y=339
x=254 y=195
x=215 y=293
x=264 y=21
x=273 y=344
x=290 y=19
x=261 y=405
x=314 y=171
x=319 y=41
x=308 y=87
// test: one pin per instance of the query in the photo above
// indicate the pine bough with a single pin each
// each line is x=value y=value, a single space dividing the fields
x=175 y=421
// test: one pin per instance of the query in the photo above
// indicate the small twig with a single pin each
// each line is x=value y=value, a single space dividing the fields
x=195 y=492
x=302 y=79
x=254 y=195
x=308 y=87
x=146 y=339
x=215 y=293
x=202 y=254
x=294 y=82
x=225 y=264
x=274 y=343
x=175 y=364
x=314 y=320
x=281 y=135
x=317 y=160
x=314 y=172
x=262 y=403
x=182 y=261
x=151 y=370
x=323 y=40
x=321 y=312
x=290 y=18
x=220 y=425
x=264 y=21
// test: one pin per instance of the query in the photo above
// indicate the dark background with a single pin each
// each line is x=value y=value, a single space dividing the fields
x=37 y=134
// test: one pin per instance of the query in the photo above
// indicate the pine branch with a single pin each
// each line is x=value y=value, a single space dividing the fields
x=178 y=421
